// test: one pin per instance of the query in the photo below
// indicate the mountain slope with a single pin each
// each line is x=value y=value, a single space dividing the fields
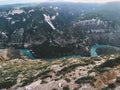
x=58 y=29
x=72 y=73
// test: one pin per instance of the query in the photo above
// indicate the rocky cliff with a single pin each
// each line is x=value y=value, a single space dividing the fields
x=59 y=29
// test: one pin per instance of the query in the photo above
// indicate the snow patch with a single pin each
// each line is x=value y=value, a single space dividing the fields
x=51 y=6
x=30 y=11
x=48 y=20
x=16 y=11
x=12 y=22
x=24 y=19
x=53 y=17
x=4 y=34
x=56 y=8
x=8 y=18
x=57 y=14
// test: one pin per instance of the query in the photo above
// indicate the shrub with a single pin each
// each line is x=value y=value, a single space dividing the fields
x=108 y=64
x=111 y=63
x=118 y=80
x=87 y=79
x=67 y=79
x=7 y=83
x=105 y=88
x=66 y=88
x=68 y=69
x=46 y=76
x=111 y=86
x=54 y=89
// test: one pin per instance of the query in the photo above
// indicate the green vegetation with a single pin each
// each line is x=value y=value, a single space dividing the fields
x=7 y=83
x=102 y=70
x=67 y=69
x=72 y=67
x=54 y=89
x=108 y=64
x=68 y=80
x=108 y=12
x=31 y=78
x=111 y=86
x=46 y=76
x=118 y=80
x=111 y=63
x=43 y=82
x=87 y=79
x=29 y=71
x=66 y=88
x=20 y=73
x=105 y=88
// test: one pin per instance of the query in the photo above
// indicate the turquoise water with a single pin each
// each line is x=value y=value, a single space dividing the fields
x=93 y=49
x=93 y=52
x=27 y=53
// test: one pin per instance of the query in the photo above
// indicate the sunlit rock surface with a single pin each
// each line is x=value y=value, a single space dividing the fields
x=96 y=73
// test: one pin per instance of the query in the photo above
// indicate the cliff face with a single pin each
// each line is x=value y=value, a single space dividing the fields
x=58 y=29
x=97 y=73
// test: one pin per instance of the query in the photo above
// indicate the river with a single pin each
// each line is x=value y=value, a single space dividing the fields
x=93 y=52
x=27 y=53
x=93 y=49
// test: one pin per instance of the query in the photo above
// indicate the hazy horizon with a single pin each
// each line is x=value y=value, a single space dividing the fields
x=3 y=2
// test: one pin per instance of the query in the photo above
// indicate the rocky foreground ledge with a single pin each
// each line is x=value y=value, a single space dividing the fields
x=100 y=73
